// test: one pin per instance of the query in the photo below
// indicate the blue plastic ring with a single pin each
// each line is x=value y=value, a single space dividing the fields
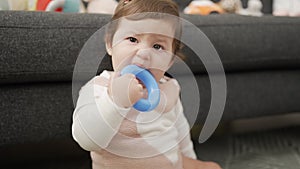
x=148 y=80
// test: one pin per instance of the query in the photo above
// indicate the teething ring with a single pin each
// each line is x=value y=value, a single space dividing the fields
x=152 y=87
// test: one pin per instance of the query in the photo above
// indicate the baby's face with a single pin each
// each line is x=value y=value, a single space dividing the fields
x=147 y=43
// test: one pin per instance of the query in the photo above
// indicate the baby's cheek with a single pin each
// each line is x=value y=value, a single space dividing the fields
x=161 y=59
x=119 y=64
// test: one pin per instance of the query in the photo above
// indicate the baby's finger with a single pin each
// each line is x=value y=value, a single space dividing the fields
x=139 y=87
x=174 y=82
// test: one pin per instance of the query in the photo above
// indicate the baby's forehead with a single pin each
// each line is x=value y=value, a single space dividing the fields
x=156 y=27
x=155 y=37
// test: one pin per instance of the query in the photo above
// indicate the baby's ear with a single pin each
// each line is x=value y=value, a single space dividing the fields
x=108 y=46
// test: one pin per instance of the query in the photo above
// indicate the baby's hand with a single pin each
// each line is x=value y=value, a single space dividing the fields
x=169 y=94
x=125 y=90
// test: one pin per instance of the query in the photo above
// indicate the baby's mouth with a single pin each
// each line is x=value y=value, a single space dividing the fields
x=144 y=89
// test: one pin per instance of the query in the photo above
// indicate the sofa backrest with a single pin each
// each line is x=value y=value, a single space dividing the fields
x=38 y=47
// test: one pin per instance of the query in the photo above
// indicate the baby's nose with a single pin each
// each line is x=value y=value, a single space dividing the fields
x=142 y=58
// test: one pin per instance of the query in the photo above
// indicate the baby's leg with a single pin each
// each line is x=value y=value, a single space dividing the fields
x=189 y=163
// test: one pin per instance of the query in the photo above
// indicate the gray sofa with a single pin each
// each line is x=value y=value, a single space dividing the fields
x=261 y=58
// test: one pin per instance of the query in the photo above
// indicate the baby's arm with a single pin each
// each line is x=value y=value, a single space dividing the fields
x=96 y=118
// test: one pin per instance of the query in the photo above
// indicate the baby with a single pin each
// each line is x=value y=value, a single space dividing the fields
x=104 y=122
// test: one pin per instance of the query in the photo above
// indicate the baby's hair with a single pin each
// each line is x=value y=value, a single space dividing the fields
x=154 y=9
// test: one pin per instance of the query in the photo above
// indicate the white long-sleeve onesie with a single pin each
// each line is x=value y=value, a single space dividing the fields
x=124 y=134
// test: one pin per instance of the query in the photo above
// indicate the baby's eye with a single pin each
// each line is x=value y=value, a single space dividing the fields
x=158 y=47
x=132 y=39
